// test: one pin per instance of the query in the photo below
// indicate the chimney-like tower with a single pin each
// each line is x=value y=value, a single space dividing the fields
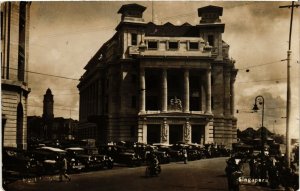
x=48 y=105
x=210 y=14
x=132 y=13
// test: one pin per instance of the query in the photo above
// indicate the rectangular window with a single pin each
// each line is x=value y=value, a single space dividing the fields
x=133 y=39
x=173 y=45
x=194 y=46
x=210 y=39
x=133 y=101
x=153 y=45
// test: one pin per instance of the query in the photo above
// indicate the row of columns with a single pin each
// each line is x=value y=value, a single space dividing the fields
x=164 y=99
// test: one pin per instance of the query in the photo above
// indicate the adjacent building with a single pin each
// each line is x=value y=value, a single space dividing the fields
x=14 y=79
x=160 y=83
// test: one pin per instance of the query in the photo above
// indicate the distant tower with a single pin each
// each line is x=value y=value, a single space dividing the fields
x=48 y=106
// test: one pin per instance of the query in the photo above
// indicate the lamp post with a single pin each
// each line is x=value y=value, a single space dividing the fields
x=260 y=100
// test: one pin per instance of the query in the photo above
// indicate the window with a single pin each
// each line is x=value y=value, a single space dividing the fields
x=210 y=39
x=173 y=45
x=194 y=46
x=133 y=101
x=133 y=39
x=153 y=45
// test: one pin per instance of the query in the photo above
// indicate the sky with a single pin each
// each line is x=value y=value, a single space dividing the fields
x=65 y=35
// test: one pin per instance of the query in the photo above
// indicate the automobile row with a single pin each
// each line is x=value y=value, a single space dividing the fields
x=43 y=159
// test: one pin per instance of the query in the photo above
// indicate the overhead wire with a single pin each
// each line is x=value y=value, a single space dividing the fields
x=39 y=73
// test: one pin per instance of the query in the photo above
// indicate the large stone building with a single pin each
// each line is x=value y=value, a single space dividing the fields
x=160 y=83
x=14 y=63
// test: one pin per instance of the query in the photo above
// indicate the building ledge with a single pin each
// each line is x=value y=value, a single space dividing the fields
x=174 y=113
x=16 y=84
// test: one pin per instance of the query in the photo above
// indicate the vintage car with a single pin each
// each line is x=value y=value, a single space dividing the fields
x=48 y=159
x=175 y=155
x=195 y=151
x=76 y=158
x=121 y=154
x=18 y=162
x=162 y=156
x=105 y=160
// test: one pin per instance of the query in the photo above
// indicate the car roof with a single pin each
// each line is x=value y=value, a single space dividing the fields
x=75 y=148
x=52 y=149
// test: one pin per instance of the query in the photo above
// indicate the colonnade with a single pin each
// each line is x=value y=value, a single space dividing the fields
x=164 y=87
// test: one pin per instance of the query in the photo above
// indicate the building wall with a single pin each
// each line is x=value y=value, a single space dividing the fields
x=125 y=120
x=14 y=78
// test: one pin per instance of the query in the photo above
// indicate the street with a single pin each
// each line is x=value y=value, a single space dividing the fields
x=206 y=174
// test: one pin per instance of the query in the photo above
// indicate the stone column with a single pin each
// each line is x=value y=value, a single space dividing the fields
x=164 y=132
x=208 y=91
x=227 y=98
x=187 y=132
x=232 y=80
x=164 y=98
x=186 y=91
x=142 y=90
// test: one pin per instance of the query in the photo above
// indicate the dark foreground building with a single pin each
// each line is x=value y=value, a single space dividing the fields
x=160 y=83
x=15 y=18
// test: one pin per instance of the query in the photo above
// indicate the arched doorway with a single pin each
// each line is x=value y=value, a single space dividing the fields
x=20 y=120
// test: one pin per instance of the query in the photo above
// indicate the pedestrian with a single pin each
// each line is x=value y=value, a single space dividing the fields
x=185 y=156
x=63 y=167
x=232 y=173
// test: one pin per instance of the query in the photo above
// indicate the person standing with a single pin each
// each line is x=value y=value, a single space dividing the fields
x=63 y=169
x=185 y=157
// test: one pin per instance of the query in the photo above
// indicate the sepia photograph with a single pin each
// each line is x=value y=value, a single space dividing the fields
x=150 y=95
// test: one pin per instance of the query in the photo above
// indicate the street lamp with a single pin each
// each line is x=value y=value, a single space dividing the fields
x=260 y=100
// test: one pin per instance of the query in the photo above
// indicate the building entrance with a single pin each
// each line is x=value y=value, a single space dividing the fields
x=153 y=133
x=176 y=133
x=198 y=134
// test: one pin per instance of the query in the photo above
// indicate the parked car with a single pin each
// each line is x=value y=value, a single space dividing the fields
x=121 y=154
x=128 y=157
x=195 y=151
x=18 y=162
x=47 y=159
x=175 y=155
x=162 y=156
x=105 y=160
x=76 y=158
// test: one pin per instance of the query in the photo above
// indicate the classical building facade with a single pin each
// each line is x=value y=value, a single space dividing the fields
x=14 y=62
x=160 y=83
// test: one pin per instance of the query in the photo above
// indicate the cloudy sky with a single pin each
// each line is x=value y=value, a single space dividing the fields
x=65 y=35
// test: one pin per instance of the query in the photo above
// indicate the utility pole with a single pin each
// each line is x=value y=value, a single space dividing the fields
x=288 y=104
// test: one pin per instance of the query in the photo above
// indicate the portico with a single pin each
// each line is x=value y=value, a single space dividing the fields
x=175 y=102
